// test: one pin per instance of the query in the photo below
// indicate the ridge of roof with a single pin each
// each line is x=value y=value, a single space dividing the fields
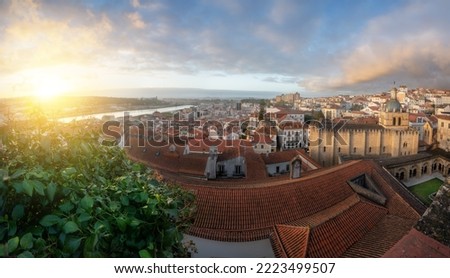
x=289 y=241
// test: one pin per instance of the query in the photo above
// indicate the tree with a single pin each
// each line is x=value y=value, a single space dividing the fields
x=262 y=110
x=62 y=194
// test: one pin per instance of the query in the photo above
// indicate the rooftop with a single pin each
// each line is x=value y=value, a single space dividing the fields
x=338 y=218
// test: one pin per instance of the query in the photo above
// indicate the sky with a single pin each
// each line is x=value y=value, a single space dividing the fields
x=50 y=47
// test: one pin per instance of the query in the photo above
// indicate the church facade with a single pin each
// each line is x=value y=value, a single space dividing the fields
x=391 y=137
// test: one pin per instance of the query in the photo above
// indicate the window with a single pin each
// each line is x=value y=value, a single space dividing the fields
x=221 y=168
x=393 y=121
x=384 y=148
x=287 y=168
x=277 y=169
x=339 y=149
x=262 y=146
x=399 y=121
x=354 y=150
x=370 y=149
x=237 y=169
x=448 y=125
x=324 y=149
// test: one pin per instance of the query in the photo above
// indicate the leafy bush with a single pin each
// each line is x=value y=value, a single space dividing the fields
x=62 y=194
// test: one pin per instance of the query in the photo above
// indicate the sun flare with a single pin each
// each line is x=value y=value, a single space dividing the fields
x=48 y=88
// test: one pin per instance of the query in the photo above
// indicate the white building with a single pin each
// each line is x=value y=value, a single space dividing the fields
x=292 y=135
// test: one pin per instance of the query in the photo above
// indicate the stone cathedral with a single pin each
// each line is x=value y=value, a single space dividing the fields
x=391 y=137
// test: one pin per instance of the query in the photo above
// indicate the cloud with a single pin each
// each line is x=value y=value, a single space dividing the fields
x=319 y=45
x=408 y=45
x=136 y=20
x=32 y=40
x=280 y=79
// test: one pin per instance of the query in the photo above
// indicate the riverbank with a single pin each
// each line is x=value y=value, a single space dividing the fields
x=118 y=114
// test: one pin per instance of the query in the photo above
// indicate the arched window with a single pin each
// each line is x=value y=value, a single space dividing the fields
x=399 y=121
x=393 y=121
x=370 y=149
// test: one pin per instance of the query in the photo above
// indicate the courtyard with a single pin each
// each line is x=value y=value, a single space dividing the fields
x=424 y=190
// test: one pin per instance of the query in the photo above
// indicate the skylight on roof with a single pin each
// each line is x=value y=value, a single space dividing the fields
x=365 y=186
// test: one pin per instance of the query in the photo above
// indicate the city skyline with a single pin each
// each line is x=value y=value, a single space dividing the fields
x=316 y=48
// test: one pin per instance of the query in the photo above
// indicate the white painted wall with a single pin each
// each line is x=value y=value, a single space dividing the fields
x=220 y=249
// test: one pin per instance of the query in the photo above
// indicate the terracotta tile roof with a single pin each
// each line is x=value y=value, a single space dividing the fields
x=267 y=130
x=287 y=125
x=379 y=239
x=261 y=138
x=417 y=245
x=433 y=119
x=162 y=158
x=203 y=145
x=328 y=213
x=332 y=238
x=341 y=223
x=443 y=117
x=256 y=169
x=289 y=241
x=251 y=210
x=400 y=200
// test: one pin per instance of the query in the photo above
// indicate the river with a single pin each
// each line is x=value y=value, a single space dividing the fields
x=118 y=114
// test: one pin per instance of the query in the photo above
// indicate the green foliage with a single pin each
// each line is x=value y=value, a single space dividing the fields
x=62 y=194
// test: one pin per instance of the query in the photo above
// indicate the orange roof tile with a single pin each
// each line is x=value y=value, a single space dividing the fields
x=289 y=241
x=332 y=238
x=417 y=245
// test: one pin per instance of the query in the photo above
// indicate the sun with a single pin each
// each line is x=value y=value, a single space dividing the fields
x=47 y=88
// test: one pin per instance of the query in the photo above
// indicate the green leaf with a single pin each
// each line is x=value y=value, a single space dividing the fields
x=136 y=167
x=2 y=250
x=72 y=244
x=12 y=228
x=26 y=242
x=38 y=187
x=50 y=220
x=135 y=222
x=27 y=188
x=66 y=207
x=69 y=172
x=13 y=243
x=121 y=223
x=83 y=217
x=70 y=227
x=18 y=186
x=85 y=147
x=17 y=174
x=25 y=254
x=114 y=206
x=124 y=200
x=51 y=190
x=144 y=254
x=87 y=202
x=17 y=212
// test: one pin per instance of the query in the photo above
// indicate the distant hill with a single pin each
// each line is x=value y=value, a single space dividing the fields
x=162 y=93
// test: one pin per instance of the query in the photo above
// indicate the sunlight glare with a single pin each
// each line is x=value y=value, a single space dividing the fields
x=47 y=88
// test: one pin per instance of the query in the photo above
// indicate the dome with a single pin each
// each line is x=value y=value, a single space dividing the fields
x=393 y=106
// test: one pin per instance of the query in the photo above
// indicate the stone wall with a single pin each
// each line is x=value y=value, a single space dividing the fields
x=435 y=222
